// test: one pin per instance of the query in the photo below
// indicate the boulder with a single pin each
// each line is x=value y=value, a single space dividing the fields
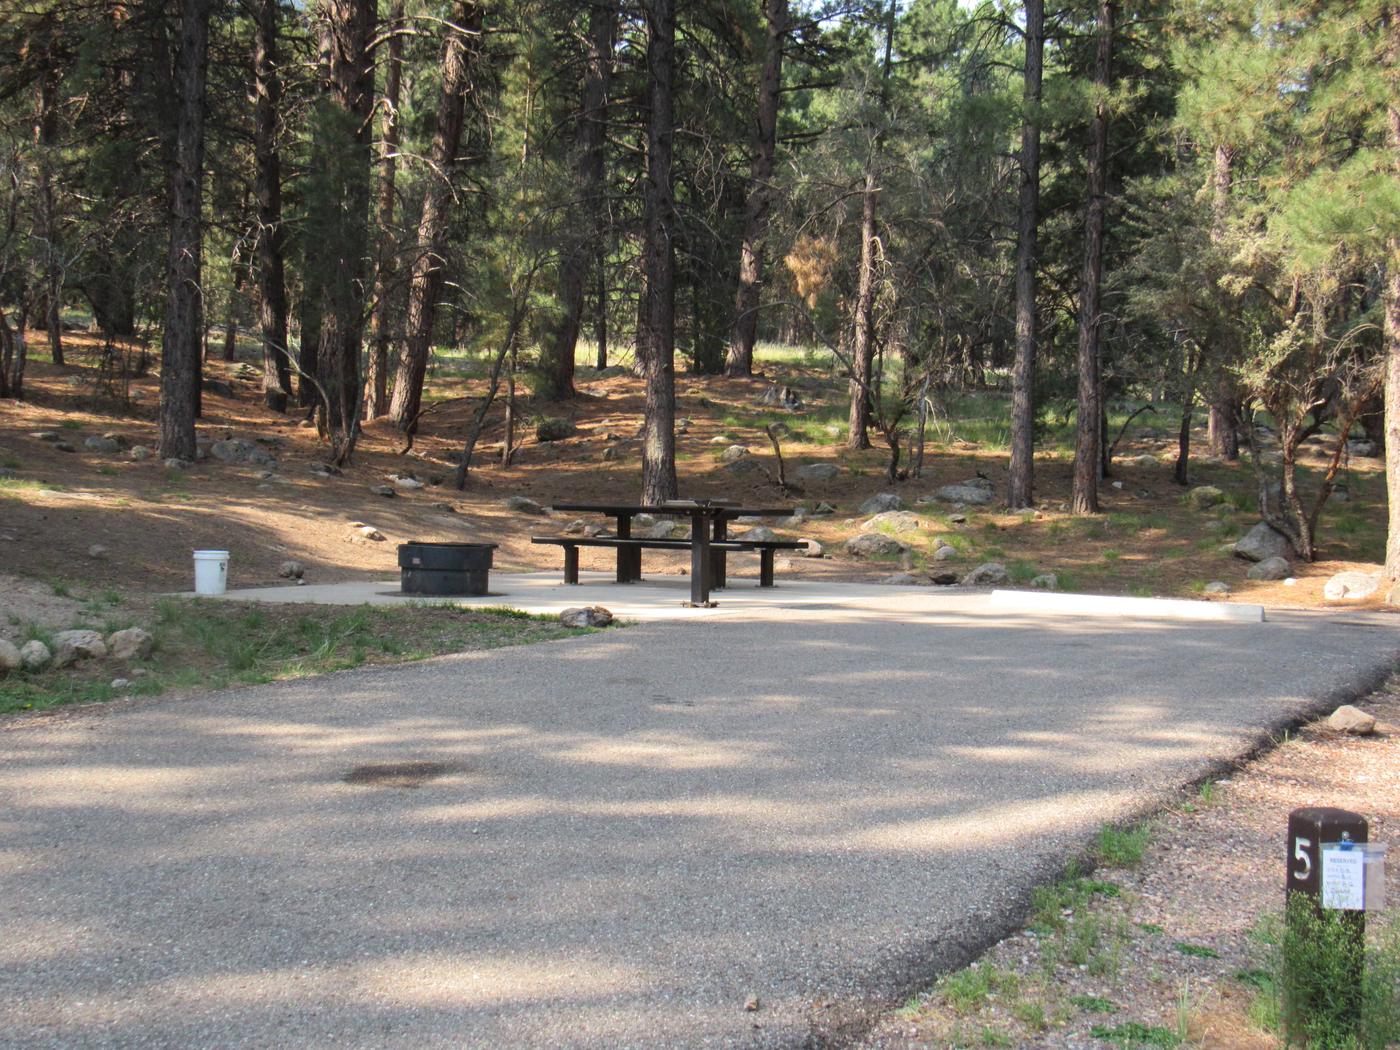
x=554 y=429
x=882 y=502
x=1270 y=569
x=45 y=435
x=988 y=574
x=874 y=545
x=65 y=446
x=102 y=444
x=943 y=579
x=1046 y=581
x=291 y=570
x=609 y=454
x=661 y=530
x=818 y=472
x=575 y=527
x=744 y=465
x=893 y=521
x=1217 y=587
x=525 y=505
x=407 y=484
x=973 y=495
x=176 y=463
x=734 y=453
x=10 y=658
x=130 y=644
x=387 y=491
x=759 y=533
x=1351 y=586
x=1364 y=449
x=35 y=655
x=1262 y=542
x=824 y=508
x=944 y=552
x=71 y=646
x=97 y=552
x=1348 y=719
x=139 y=453
x=902 y=579
x=813 y=549
x=1203 y=497
x=588 y=616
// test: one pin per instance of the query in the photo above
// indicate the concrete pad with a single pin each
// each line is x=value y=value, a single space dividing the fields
x=666 y=597
x=1067 y=604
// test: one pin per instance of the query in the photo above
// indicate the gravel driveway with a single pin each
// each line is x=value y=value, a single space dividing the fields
x=624 y=840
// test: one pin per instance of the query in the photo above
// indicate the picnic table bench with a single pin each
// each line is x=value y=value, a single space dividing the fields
x=708 y=543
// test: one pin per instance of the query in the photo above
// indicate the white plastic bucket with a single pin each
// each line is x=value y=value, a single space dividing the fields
x=210 y=572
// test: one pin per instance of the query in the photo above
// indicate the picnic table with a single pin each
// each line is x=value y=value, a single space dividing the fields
x=709 y=542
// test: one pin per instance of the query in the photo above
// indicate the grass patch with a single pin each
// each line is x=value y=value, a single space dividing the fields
x=1196 y=951
x=1135 y=1033
x=968 y=990
x=1093 y=1004
x=210 y=645
x=1123 y=847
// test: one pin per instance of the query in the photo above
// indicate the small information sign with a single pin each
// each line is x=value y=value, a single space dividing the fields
x=1343 y=877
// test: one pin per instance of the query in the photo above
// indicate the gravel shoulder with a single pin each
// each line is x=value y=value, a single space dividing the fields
x=1169 y=952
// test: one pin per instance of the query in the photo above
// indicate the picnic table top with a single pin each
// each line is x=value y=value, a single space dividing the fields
x=717 y=507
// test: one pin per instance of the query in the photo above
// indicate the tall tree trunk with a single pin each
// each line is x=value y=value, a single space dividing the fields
x=184 y=325
x=377 y=379
x=45 y=132
x=600 y=309
x=752 y=253
x=1392 y=345
x=426 y=282
x=863 y=349
x=1088 y=433
x=1020 y=490
x=267 y=188
x=590 y=140
x=345 y=159
x=308 y=346
x=1223 y=421
x=658 y=343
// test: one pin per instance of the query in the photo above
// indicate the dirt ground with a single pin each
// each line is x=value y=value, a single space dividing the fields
x=1176 y=953
x=55 y=505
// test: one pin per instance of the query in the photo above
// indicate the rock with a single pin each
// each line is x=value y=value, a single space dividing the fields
x=661 y=530
x=744 y=465
x=988 y=574
x=1144 y=460
x=1203 y=497
x=752 y=1003
x=575 y=527
x=387 y=491
x=121 y=683
x=783 y=397
x=945 y=552
x=34 y=655
x=1351 y=586
x=1046 y=581
x=219 y=386
x=609 y=454
x=813 y=549
x=594 y=530
x=1353 y=720
x=1263 y=542
x=734 y=453
x=65 y=446
x=408 y=484
x=101 y=444
x=1214 y=525
x=10 y=658
x=824 y=508
x=1270 y=569
x=1117 y=484
x=902 y=579
x=882 y=502
x=818 y=472
x=1341 y=494
x=130 y=644
x=958 y=519
x=1364 y=449
x=874 y=545
x=1217 y=587
x=71 y=646
x=893 y=521
x=233 y=450
x=368 y=532
x=525 y=505
x=588 y=616
x=291 y=570
x=554 y=429
x=971 y=493
x=176 y=463
x=45 y=435
x=761 y=532
x=97 y=552
x=139 y=453
x=944 y=579
x=325 y=470
x=796 y=518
